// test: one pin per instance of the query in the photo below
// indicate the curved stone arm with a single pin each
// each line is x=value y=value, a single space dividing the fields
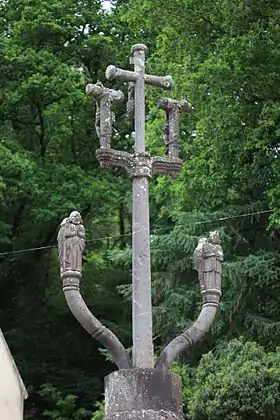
x=71 y=244
x=79 y=309
x=208 y=258
x=188 y=338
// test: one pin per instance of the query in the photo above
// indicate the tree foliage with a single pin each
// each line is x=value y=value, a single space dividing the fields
x=225 y=59
x=240 y=381
x=225 y=56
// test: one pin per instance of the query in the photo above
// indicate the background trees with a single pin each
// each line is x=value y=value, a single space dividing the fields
x=225 y=57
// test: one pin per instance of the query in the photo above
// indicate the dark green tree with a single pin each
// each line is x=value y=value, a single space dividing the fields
x=48 y=168
x=240 y=381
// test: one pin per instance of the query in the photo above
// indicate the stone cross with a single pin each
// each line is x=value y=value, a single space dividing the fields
x=140 y=390
x=140 y=167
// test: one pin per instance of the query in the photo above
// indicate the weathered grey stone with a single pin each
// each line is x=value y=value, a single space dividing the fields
x=164 y=82
x=208 y=257
x=139 y=164
x=171 y=126
x=140 y=167
x=71 y=243
x=104 y=117
x=144 y=415
x=130 y=106
x=166 y=166
x=148 y=394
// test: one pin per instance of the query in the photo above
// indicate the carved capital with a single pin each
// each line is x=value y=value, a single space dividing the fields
x=68 y=274
x=141 y=166
x=111 y=157
x=166 y=166
x=136 y=165
x=71 y=280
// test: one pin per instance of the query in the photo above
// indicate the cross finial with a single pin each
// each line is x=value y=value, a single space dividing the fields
x=139 y=47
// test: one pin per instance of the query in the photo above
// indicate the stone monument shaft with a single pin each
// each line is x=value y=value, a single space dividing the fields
x=143 y=354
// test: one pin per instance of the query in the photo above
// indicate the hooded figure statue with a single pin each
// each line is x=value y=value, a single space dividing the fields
x=71 y=243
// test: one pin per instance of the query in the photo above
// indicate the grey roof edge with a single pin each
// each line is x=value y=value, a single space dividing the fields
x=24 y=390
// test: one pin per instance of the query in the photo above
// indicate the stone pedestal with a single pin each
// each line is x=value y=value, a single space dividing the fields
x=146 y=394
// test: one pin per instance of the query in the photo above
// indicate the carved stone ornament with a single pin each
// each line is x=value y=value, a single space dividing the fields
x=71 y=243
x=208 y=258
x=104 y=116
x=214 y=256
x=167 y=166
x=198 y=259
x=171 y=126
x=139 y=164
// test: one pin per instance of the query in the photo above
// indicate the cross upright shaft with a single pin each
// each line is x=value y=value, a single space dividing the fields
x=141 y=164
x=138 y=53
x=143 y=353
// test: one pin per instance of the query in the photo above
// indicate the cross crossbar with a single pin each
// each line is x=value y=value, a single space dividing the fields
x=165 y=82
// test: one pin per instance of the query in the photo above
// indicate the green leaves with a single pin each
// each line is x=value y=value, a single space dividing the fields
x=62 y=407
x=239 y=381
x=48 y=168
x=224 y=56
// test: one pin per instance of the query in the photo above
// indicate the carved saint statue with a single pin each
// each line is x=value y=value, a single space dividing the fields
x=198 y=259
x=215 y=257
x=106 y=99
x=171 y=126
x=208 y=258
x=71 y=243
x=164 y=104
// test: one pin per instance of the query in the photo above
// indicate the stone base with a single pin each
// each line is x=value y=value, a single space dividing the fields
x=146 y=394
x=144 y=415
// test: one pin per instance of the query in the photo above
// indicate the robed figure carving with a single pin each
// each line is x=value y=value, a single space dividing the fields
x=71 y=243
x=198 y=259
x=208 y=258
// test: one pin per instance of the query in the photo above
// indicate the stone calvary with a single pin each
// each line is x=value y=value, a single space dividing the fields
x=139 y=389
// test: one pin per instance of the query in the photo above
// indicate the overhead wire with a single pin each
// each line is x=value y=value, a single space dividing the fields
x=103 y=238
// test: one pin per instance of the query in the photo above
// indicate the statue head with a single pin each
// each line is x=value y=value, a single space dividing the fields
x=164 y=104
x=214 y=237
x=75 y=218
x=64 y=221
x=202 y=240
